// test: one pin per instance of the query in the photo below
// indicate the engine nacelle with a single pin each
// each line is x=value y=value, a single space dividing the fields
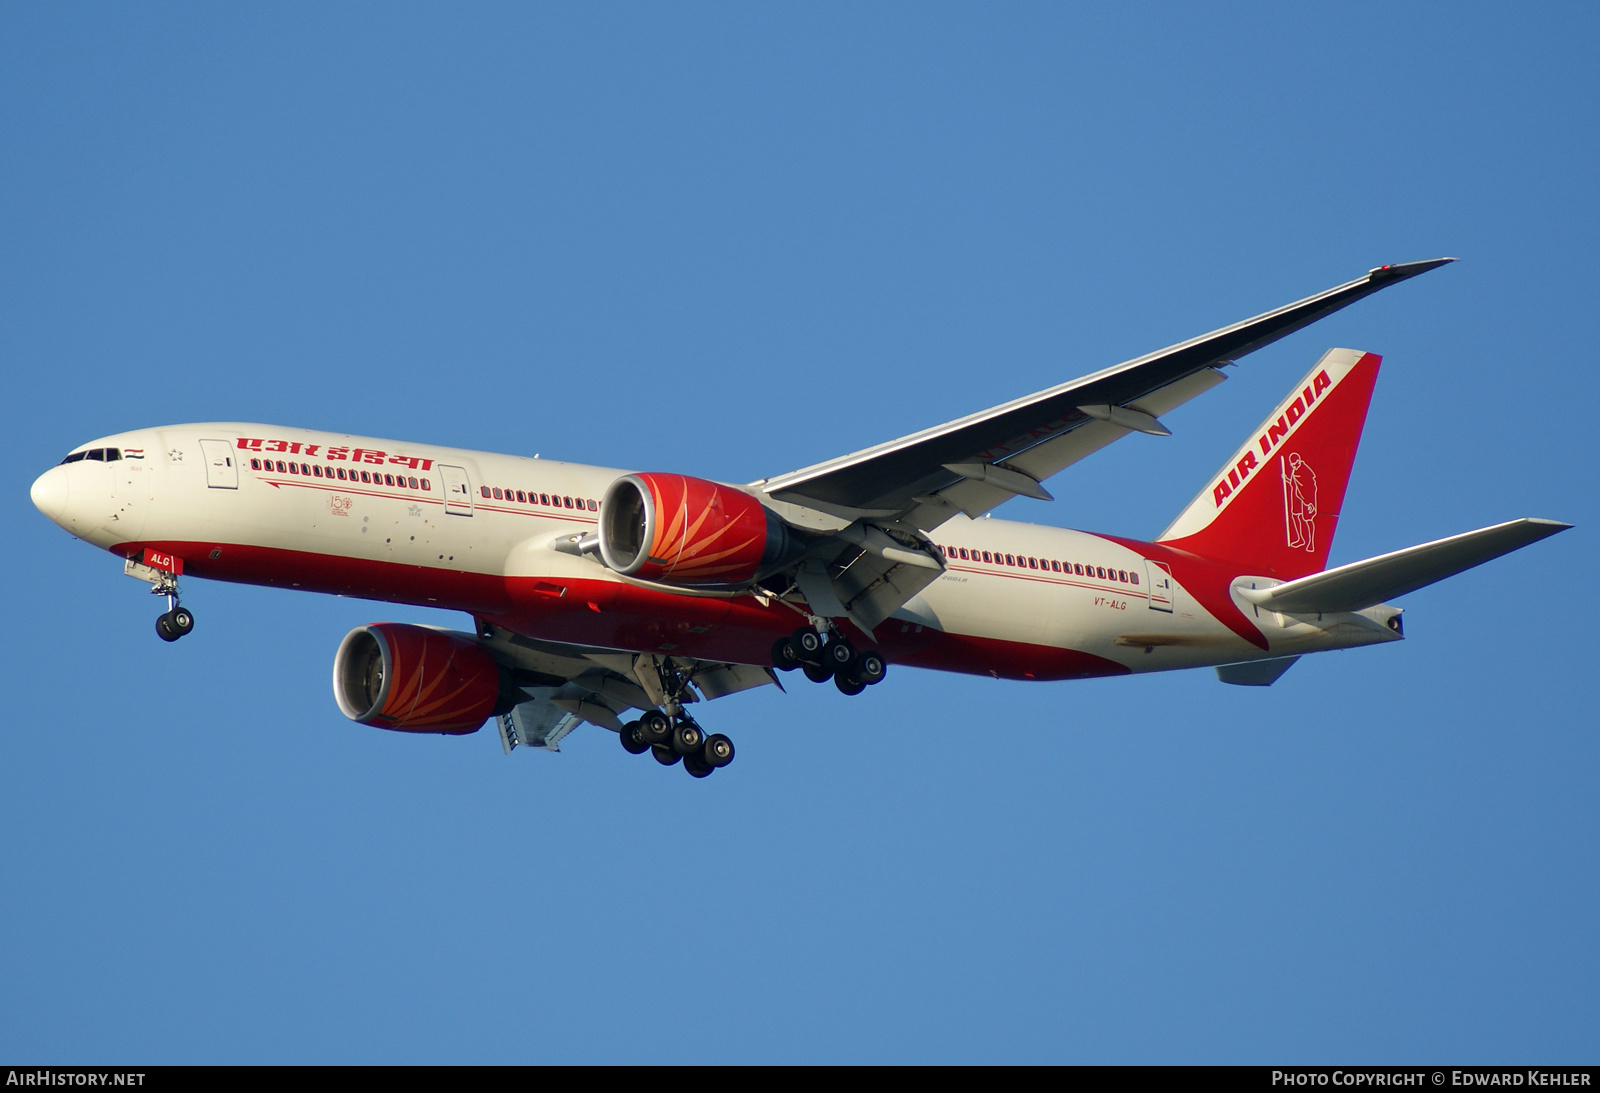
x=415 y=679
x=681 y=530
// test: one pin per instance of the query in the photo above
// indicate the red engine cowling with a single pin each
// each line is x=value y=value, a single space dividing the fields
x=414 y=679
x=682 y=530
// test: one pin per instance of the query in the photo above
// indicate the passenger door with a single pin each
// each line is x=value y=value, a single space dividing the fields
x=457 y=490
x=1160 y=578
x=222 y=473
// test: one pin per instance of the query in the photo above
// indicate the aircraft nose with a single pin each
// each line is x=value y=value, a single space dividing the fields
x=49 y=493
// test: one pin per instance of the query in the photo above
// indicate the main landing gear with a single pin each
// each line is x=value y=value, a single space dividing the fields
x=177 y=620
x=671 y=735
x=671 y=739
x=836 y=659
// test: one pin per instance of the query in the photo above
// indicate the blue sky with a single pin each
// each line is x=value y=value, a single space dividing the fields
x=730 y=241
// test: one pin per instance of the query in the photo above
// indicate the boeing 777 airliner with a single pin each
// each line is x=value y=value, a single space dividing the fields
x=596 y=591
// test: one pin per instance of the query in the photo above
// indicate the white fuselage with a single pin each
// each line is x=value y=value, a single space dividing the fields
x=457 y=529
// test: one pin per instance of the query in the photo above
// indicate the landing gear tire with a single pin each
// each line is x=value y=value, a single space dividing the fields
x=632 y=742
x=182 y=620
x=655 y=728
x=849 y=684
x=870 y=667
x=817 y=673
x=688 y=738
x=164 y=628
x=807 y=644
x=696 y=765
x=784 y=657
x=839 y=655
x=665 y=756
x=718 y=750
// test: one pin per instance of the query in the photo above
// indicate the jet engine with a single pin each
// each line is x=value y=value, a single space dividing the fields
x=681 y=530
x=416 y=679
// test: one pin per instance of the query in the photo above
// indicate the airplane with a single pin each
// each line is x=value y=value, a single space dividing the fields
x=598 y=591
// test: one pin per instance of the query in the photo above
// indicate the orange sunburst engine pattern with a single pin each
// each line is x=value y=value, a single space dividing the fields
x=414 y=679
x=687 y=530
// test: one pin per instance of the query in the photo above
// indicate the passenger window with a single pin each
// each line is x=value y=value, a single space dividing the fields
x=341 y=474
x=593 y=505
x=425 y=484
x=1133 y=577
x=1010 y=560
x=1100 y=571
x=293 y=469
x=255 y=464
x=497 y=493
x=484 y=490
x=413 y=483
x=1055 y=565
x=366 y=477
x=521 y=496
x=544 y=499
x=1033 y=563
x=568 y=500
x=1122 y=575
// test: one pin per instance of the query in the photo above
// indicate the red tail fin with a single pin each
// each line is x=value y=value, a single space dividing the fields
x=1275 y=505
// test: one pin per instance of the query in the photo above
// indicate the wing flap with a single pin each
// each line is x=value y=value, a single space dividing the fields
x=1375 y=580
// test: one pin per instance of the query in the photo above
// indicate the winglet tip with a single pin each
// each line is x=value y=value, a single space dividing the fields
x=1400 y=271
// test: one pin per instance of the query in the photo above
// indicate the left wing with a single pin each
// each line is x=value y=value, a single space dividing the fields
x=567 y=685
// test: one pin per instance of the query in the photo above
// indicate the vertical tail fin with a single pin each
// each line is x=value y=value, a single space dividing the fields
x=1275 y=505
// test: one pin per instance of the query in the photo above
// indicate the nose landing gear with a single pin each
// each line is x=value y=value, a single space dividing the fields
x=177 y=620
x=174 y=624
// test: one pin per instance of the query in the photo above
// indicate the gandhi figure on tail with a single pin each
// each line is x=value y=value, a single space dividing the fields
x=1299 y=501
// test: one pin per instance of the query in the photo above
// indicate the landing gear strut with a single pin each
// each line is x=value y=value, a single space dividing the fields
x=176 y=621
x=671 y=735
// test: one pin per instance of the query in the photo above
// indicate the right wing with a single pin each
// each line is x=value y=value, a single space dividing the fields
x=974 y=463
x=870 y=511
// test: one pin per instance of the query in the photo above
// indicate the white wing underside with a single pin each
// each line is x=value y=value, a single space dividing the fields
x=572 y=684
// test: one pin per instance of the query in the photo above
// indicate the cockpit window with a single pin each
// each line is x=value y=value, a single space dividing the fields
x=99 y=455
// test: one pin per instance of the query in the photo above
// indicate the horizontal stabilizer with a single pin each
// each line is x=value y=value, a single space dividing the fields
x=1375 y=580
x=1255 y=673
